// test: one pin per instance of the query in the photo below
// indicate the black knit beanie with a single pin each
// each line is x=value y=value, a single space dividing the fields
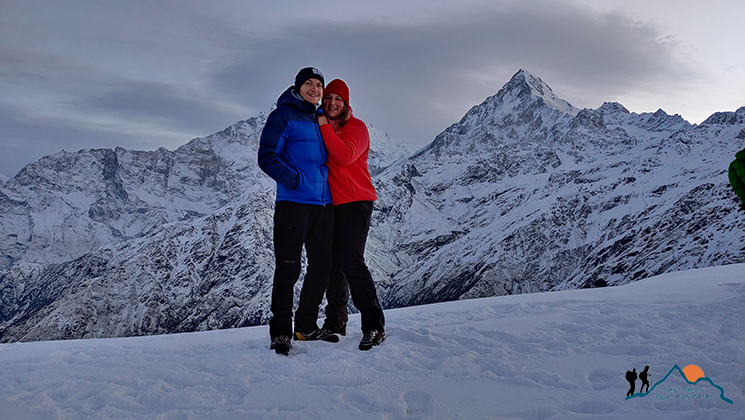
x=308 y=73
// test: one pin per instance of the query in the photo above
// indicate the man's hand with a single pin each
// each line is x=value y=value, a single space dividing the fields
x=322 y=120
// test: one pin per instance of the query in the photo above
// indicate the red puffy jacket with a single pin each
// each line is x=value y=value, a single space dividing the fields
x=349 y=178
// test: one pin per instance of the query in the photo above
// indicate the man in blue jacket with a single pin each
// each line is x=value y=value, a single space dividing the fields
x=291 y=152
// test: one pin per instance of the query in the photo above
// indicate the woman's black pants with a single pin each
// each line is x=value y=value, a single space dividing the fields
x=349 y=273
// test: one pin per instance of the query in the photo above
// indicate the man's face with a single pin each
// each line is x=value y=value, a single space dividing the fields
x=312 y=91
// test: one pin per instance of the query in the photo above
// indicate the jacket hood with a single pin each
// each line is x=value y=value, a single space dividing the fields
x=290 y=97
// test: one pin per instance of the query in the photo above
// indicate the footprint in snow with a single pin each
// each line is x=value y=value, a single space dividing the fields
x=418 y=403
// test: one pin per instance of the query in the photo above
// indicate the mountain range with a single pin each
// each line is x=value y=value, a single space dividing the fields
x=526 y=193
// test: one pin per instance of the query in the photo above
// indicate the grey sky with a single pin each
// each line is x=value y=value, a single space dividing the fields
x=142 y=75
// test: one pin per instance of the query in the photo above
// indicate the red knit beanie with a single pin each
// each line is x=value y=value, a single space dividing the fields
x=338 y=87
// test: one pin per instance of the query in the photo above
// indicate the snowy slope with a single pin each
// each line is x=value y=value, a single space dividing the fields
x=557 y=355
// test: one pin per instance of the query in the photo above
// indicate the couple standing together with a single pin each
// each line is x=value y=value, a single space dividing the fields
x=318 y=157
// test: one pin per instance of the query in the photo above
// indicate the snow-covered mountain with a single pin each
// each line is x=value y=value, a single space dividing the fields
x=384 y=151
x=68 y=204
x=525 y=194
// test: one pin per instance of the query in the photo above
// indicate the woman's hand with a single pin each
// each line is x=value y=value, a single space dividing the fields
x=322 y=120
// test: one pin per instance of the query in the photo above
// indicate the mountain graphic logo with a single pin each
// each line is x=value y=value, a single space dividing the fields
x=692 y=374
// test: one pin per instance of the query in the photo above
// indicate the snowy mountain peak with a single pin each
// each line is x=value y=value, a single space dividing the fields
x=613 y=107
x=241 y=134
x=726 y=118
x=661 y=120
x=524 y=78
x=615 y=114
x=525 y=103
x=525 y=85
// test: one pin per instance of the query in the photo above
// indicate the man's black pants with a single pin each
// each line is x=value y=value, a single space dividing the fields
x=296 y=225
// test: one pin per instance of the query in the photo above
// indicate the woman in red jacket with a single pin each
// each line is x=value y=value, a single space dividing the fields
x=352 y=193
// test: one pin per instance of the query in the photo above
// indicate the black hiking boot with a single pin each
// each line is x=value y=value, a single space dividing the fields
x=321 y=334
x=281 y=344
x=372 y=339
x=336 y=330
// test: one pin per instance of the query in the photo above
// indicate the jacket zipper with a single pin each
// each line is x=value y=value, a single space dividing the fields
x=320 y=138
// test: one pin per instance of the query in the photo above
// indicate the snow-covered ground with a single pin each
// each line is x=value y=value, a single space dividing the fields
x=560 y=355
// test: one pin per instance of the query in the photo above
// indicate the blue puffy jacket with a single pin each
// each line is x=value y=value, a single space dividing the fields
x=292 y=152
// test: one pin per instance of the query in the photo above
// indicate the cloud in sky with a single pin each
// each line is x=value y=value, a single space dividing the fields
x=145 y=75
x=420 y=78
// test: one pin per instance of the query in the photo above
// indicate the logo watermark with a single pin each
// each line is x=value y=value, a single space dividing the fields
x=692 y=374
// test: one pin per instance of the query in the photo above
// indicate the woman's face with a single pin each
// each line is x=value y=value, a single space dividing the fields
x=312 y=91
x=333 y=106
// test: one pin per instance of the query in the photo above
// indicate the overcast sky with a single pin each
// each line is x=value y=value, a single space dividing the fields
x=143 y=75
